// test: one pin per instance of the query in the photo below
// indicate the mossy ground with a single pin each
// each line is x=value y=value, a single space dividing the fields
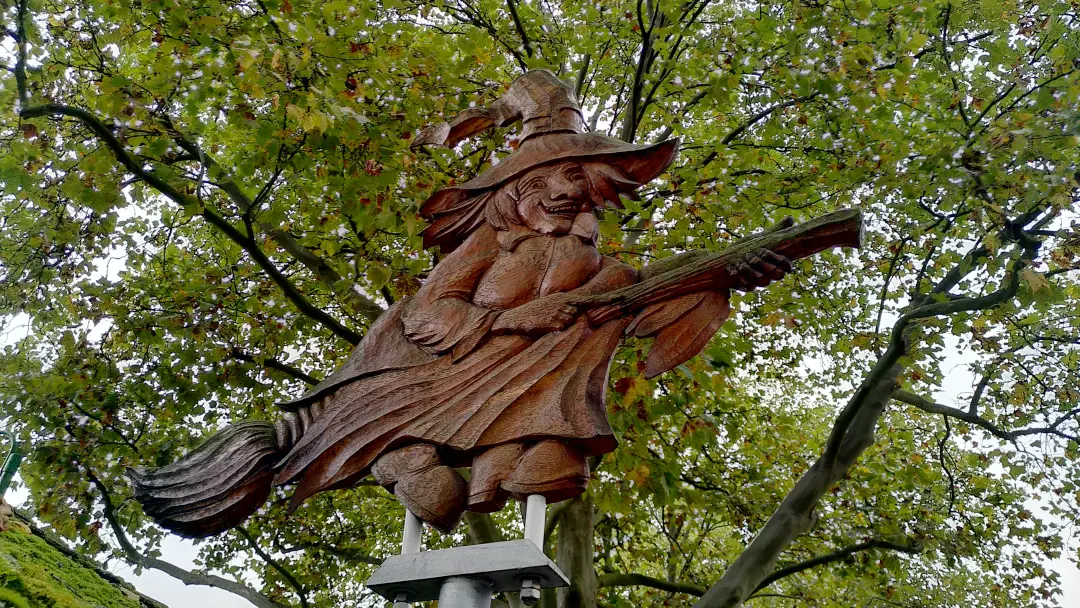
x=35 y=575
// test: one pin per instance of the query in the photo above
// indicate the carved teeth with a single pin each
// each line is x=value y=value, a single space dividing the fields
x=567 y=209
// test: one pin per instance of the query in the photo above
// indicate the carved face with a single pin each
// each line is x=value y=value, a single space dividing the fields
x=550 y=197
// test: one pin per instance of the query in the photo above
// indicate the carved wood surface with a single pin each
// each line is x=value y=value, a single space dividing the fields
x=704 y=270
x=500 y=360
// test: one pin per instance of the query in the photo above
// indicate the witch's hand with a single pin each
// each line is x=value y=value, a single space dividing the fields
x=758 y=270
x=548 y=314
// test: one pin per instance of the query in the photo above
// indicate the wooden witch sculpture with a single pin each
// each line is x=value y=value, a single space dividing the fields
x=500 y=361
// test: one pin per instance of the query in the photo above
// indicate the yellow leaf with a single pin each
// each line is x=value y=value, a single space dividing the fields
x=718 y=383
x=639 y=475
x=639 y=389
x=275 y=61
x=1036 y=281
x=296 y=113
x=247 y=59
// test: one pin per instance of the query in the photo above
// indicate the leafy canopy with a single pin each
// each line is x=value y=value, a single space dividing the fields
x=204 y=203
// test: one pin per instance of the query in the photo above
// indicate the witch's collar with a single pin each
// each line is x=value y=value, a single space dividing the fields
x=585 y=227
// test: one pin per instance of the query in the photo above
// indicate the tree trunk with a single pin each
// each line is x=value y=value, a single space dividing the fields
x=574 y=554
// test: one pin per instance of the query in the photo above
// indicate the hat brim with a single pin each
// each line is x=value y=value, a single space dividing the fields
x=641 y=163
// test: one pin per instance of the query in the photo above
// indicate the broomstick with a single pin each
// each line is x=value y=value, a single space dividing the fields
x=706 y=270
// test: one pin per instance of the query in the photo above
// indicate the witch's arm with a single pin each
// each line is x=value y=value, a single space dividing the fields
x=441 y=316
x=681 y=301
x=684 y=324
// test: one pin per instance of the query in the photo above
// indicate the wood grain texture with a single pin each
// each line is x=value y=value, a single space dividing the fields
x=679 y=337
x=500 y=360
x=489 y=469
x=704 y=270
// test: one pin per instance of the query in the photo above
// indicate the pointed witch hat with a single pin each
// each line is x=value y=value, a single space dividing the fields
x=553 y=130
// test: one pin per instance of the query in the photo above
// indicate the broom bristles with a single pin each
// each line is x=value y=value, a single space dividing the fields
x=214 y=487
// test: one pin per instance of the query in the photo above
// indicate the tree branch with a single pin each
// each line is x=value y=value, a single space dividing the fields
x=837 y=555
x=339 y=552
x=554 y=515
x=618 y=579
x=271 y=363
x=247 y=243
x=185 y=576
x=482 y=529
x=465 y=13
x=764 y=114
x=931 y=407
x=739 y=130
x=323 y=271
x=21 y=16
x=520 y=28
x=301 y=592
x=579 y=82
x=853 y=432
x=633 y=107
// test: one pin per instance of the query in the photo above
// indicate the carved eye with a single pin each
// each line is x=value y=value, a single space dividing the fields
x=534 y=185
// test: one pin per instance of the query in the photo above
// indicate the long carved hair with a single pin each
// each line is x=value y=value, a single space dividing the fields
x=498 y=206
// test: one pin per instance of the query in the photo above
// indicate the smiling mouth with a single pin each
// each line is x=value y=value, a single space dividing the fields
x=567 y=209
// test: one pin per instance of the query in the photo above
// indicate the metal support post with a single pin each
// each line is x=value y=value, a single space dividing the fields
x=535 y=515
x=414 y=530
x=411 y=537
x=459 y=592
x=535 y=521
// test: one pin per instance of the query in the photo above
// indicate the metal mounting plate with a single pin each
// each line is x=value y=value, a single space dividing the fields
x=420 y=575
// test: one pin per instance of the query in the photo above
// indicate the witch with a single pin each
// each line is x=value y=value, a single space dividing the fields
x=491 y=364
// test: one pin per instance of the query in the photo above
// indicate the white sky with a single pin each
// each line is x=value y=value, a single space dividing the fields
x=956 y=391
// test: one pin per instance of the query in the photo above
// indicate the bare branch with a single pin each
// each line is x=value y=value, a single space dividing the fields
x=931 y=407
x=274 y=364
x=301 y=592
x=946 y=14
x=835 y=556
x=185 y=576
x=618 y=579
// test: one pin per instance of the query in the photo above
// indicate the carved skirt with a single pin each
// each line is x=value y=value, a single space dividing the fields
x=512 y=388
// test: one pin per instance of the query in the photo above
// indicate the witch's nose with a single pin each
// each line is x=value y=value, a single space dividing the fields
x=566 y=190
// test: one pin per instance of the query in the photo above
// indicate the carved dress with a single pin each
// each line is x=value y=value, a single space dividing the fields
x=430 y=370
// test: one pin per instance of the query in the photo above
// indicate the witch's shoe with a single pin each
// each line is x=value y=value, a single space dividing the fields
x=433 y=492
x=551 y=468
x=488 y=471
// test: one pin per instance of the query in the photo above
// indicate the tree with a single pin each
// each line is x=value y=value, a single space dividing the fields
x=206 y=203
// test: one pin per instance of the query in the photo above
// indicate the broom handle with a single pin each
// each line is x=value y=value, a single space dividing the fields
x=705 y=270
